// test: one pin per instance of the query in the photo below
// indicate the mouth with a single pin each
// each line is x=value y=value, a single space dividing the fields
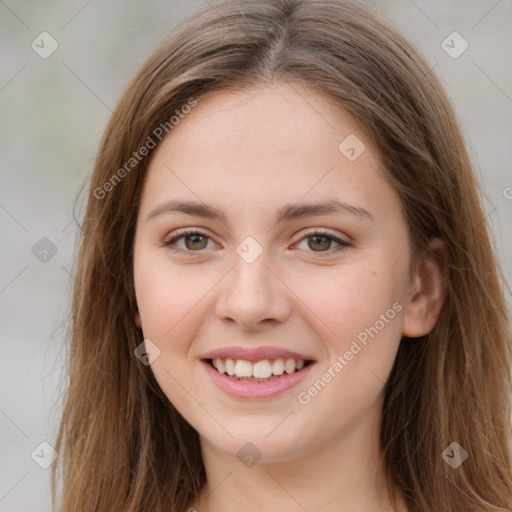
x=264 y=370
x=258 y=373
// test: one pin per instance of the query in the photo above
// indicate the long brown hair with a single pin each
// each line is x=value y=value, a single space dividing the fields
x=123 y=446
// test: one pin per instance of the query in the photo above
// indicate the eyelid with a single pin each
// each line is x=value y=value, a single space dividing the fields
x=183 y=233
x=343 y=244
x=324 y=232
x=311 y=232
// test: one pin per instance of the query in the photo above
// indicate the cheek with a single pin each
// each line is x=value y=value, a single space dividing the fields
x=168 y=302
x=349 y=299
x=364 y=313
x=361 y=312
x=172 y=302
x=165 y=295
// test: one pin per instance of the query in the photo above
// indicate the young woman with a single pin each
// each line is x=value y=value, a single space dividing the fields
x=286 y=294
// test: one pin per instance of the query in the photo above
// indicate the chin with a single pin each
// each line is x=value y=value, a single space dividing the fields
x=258 y=441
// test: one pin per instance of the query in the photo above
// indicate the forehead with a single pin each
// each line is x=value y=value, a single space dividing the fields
x=264 y=146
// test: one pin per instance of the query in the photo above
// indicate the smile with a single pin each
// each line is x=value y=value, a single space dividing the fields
x=258 y=371
x=262 y=379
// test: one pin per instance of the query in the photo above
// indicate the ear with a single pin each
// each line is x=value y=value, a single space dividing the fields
x=138 y=323
x=427 y=291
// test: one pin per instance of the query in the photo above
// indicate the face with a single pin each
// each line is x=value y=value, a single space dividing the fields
x=268 y=283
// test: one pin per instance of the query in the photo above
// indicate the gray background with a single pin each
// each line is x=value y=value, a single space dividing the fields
x=53 y=113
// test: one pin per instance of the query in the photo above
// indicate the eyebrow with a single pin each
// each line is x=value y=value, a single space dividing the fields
x=288 y=212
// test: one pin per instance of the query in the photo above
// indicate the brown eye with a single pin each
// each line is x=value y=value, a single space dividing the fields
x=320 y=242
x=194 y=241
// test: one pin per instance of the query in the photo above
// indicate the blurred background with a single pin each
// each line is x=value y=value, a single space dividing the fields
x=63 y=66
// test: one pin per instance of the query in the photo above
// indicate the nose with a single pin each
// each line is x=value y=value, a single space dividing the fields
x=253 y=295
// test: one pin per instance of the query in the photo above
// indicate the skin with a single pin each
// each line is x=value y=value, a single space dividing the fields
x=249 y=153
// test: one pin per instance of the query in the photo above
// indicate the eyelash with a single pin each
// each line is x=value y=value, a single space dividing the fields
x=319 y=232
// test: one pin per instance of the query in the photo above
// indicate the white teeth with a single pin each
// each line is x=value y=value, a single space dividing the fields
x=289 y=366
x=243 y=368
x=230 y=366
x=221 y=366
x=278 y=367
x=264 y=369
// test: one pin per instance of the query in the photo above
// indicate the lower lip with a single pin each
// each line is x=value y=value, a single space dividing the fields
x=264 y=389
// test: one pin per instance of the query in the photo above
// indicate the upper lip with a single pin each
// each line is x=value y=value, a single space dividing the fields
x=256 y=353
